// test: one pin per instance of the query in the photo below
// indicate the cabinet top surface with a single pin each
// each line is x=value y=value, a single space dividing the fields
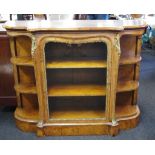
x=74 y=25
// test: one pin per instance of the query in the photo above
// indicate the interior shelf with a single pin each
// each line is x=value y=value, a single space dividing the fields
x=56 y=64
x=76 y=64
x=88 y=90
x=77 y=90
x=61 y=114
x=77 y=114
x=127 y=86
x=128 y=61
x=122 y=111
x=22 y=61
x=26 y=89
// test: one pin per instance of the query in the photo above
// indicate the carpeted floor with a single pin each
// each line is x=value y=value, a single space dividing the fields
x=146 y=101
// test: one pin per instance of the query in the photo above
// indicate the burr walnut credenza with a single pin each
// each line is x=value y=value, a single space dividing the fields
x=76 y=77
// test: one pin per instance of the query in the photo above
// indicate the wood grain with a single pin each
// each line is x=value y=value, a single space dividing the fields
x=77 y=90
x=68 y=115
x=129 y=61
x=80 y=81
x=22 y=61
x=26 y=89
x=76 y=64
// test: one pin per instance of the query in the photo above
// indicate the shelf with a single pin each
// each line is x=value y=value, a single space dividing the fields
x=128 y=61
x=27 y=115
x=122 y=112
x=77 y=114
x=76 y=90
x=27 y=61
x=76 y=64
x=127 y=86
x=88 y=90
x=22 y=61
x=26 y=89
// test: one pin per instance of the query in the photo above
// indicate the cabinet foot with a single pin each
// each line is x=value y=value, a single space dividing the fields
x=40 y=132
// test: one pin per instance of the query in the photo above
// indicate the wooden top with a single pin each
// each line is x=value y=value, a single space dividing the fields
x=74 y=25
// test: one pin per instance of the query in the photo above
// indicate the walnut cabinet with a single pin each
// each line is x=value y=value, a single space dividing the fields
x=76 y=77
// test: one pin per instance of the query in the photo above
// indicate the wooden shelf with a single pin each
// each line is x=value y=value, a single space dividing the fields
x=27 y=61
x=22 y=61
x=127 y=86
x=122 y=112
x=27 y=115
x=77 y=114
x=128 y=61
x=88 y=90
x=76 y=64
x=26 y=89
x=77 y=90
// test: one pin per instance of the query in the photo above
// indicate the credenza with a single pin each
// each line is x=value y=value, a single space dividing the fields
x=76 y=77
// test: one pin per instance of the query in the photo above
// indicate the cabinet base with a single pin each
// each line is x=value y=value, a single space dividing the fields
x=80 y=129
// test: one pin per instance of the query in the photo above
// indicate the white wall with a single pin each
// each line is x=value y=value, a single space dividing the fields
x=60 y=16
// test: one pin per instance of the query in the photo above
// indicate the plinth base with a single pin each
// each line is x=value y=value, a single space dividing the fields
x=77 y=129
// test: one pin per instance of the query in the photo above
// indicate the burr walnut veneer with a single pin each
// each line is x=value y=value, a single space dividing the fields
x=76 y=77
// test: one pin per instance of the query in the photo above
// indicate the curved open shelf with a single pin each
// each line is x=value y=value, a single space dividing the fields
x=129 y=61
x=22 y=61
x=27 y=115
x=127 y=86
x=124 y=111
x=26 y=89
